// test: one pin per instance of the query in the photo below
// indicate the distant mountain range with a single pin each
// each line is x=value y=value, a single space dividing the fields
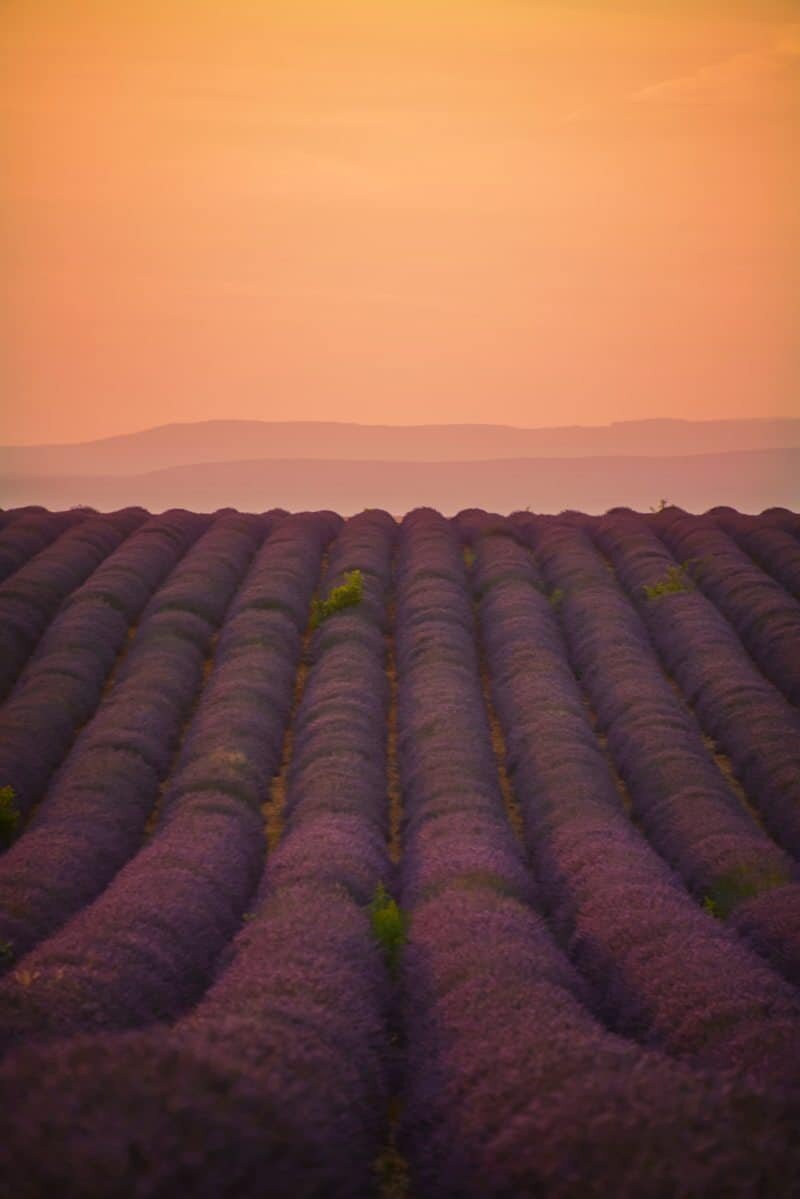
x=749 y=480
x=237 y=440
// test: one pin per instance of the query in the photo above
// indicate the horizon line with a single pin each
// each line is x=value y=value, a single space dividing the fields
x=245 y=420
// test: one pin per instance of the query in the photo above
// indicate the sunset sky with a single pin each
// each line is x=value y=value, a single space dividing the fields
x=396 y=211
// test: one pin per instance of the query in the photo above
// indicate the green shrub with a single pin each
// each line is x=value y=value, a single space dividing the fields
x=739 y=885
x=9 y=816
x=388 y=925
x=676 y=579
x=346 y=595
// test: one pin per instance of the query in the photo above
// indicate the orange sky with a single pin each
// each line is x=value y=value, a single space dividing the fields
x=396 y=210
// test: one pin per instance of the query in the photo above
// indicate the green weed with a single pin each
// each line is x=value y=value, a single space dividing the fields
x=737 y=885
x=676 y=579
x=346 y=595
x=388 y=925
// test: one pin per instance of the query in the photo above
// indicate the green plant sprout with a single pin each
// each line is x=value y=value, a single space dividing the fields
x=676 y=579
x=738 y=885
x=346 y=595
x=388 y=925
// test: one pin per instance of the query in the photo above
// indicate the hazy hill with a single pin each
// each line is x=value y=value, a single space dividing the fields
x=231 y=441
x=749 y=481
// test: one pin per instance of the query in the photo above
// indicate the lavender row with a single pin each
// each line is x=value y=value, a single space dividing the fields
x=292 y=1032
x=7 y=515
x=449 y=773
x=93 y=816
x=663 y=971
x=32 y=596
x=298 y=1014
x=774 y=549
x=513 y=1087
x=145 y=948
x=64 y=679
x=687 y=809
x=480 y=968
x=26 y=532
x=764 y=615
x=337 y=774
x=780 y=518
x=756 y=727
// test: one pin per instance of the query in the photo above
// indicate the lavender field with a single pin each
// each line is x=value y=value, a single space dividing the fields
x=392 y=858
